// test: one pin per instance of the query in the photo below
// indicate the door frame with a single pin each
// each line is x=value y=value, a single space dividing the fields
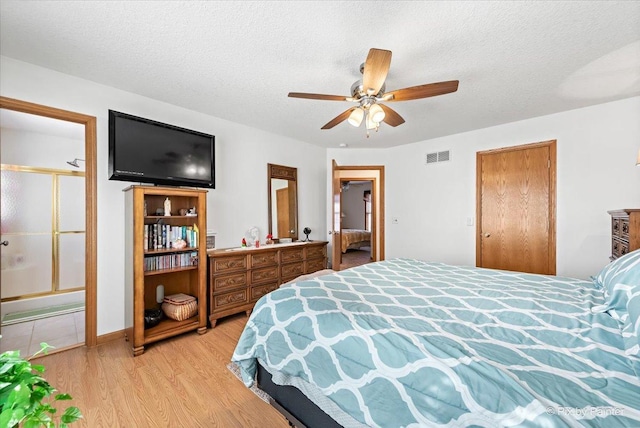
x=552 y=197
x=91 y=220
x=375 y=174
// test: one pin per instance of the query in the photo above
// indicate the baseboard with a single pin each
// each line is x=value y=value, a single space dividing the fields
x=110 y=337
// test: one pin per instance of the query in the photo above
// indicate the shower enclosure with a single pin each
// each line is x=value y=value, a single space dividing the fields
x=42 y=223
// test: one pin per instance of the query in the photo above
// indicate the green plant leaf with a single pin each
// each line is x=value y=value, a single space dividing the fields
x=37 y=367
x=11 y=417
x=71 y=414
x=63 y=397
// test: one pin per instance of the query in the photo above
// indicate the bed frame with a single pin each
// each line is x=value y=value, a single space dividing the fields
x=293 y=404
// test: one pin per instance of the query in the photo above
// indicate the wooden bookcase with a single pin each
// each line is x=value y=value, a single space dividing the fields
x=141 y=205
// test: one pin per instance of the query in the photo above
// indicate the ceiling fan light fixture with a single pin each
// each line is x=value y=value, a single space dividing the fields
x=371 y=124
x=356 y=116
x=376 y=113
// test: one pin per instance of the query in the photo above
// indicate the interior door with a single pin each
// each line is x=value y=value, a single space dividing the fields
x=336 y=253
x=516 y=208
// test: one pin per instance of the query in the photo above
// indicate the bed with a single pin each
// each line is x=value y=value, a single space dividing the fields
x=408 y=343
x=352 y=239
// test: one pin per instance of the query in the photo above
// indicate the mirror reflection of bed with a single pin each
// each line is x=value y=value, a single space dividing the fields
x=355 y=223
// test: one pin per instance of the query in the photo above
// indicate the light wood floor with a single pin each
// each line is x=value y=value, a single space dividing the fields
x=179 y=382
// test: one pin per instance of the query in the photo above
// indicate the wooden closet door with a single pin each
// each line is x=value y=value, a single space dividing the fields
x=516 y=208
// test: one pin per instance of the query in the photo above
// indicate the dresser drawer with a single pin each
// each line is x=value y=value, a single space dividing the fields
x=229 y=300
x=311 y=266
x=260 y=290
x=227 y=282
x=291 y=270
x=228 y=264
x=618 y=247
x=292 y=255
x=316 y=252
x=624 y=248
x=264 y=259
x=615 y=226
x=264 y=274
x=624 y=229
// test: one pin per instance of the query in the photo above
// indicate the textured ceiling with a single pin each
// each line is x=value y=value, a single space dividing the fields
x=238 y=60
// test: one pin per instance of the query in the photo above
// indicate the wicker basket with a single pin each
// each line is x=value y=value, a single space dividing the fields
x=180 y=306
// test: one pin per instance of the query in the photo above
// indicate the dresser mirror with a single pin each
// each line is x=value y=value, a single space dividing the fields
x=283 y=201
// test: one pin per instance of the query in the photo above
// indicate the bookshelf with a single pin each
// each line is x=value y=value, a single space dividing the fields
x=152 y=258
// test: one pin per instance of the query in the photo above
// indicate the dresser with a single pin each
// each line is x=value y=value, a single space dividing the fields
x=625 y=231
x=239 y=277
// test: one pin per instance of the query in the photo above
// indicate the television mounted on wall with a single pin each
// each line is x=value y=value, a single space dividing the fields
x=146 y=151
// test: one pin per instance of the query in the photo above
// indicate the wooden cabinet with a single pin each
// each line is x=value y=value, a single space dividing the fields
x=239 y=277
x=625 y=231
x=149 y=264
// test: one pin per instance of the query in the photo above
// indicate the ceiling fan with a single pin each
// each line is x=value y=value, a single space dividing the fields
x=369 y=93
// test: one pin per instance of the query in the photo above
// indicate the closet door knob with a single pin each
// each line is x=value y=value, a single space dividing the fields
x=5 y=243
x=486 y=235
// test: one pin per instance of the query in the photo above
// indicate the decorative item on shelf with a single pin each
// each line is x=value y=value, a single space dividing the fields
x=211 y=241
x=152 y=317
x=167 y=207
x=192 y=212
x=307 y=231
x=257 y=243
x=159 y=211
x=179 y=244
x=180 y=306
x=159 y=294
x=252 y=235
x=269 y=239
x=244 y=242
x=183 y=211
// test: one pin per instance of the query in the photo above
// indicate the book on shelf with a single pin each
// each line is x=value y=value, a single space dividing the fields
x=170 y=261
x=160 y=236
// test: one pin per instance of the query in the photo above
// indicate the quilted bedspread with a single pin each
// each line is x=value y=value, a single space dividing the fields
x=353 y=236
x=405 y=343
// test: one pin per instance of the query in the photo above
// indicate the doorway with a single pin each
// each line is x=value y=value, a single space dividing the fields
x=49 y=230
x=516 y=207
x=359 y=224
x=356 y=225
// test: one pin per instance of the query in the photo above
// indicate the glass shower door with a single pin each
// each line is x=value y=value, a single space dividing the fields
x=26 y=266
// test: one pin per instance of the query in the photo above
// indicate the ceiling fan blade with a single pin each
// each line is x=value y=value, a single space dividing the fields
x=375 y=70
x=422 y=91
x=317 y=96
x=391 y=117
x=339 y=118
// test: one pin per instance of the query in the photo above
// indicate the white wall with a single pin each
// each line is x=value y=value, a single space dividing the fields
x=596 y=172
x=242 y=153
x=19 y=147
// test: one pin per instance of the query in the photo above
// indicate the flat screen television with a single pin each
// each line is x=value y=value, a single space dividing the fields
x=147 y=151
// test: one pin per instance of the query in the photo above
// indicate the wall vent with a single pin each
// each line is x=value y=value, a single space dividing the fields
x=437 y=157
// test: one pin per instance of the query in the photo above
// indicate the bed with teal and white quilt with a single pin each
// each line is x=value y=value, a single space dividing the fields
x=406 y=343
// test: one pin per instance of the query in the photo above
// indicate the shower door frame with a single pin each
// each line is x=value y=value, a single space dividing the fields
x=90 y=139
